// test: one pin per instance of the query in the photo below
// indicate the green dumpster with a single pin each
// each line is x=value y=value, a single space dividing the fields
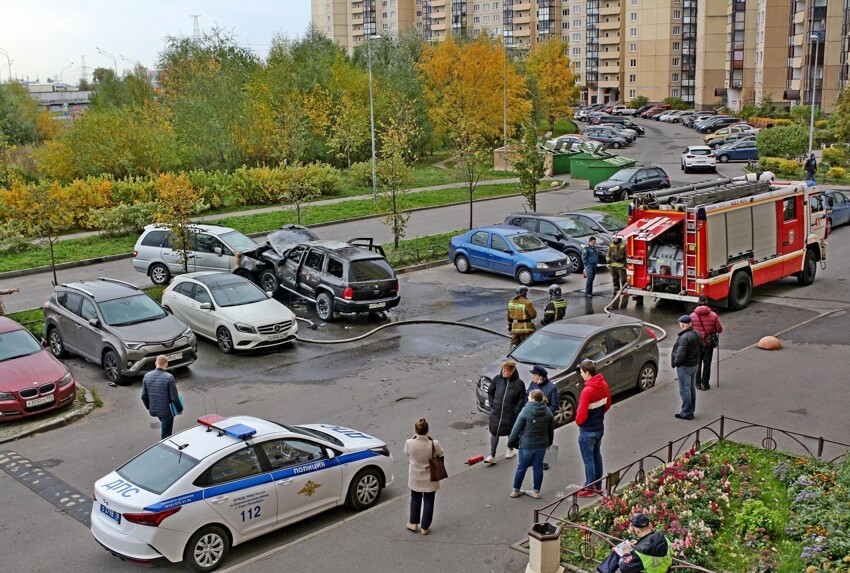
x=561 y=161
x=602 y=169
x=580 y=161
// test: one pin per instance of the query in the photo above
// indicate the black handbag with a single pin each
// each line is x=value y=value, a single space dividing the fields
x=437 y=465
x=711 y=340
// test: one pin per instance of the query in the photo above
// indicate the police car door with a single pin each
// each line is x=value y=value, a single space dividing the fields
x=242 y=493
x=307 y=476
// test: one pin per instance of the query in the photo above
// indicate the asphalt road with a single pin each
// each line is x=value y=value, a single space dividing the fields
x=662 y=145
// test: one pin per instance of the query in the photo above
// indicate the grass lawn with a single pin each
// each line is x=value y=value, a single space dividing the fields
x=619 y=209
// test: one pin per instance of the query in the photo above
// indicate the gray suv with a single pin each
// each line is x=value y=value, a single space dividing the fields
x=116 y=325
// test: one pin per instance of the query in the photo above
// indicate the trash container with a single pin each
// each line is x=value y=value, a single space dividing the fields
x=580 y=161
x=544 y=549
x=600 y=170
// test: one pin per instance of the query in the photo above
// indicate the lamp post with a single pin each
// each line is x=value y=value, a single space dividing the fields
x=107 y=54
x=8 y=63
x=816 y=37
x=62 y=71
x=505 y=107
x=369 y=39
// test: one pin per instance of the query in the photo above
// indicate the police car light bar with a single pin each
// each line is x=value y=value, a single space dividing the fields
x=238 y=431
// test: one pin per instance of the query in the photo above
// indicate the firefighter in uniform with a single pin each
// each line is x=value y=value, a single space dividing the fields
x=521 y=313
x=556 y=309
x=616 y=259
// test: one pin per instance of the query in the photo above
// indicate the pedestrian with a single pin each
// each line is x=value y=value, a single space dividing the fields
x=159 y=393
x=540 y=381
x=590 y=260
x=3 y=292
x=533 y=433
x=521 y=314
x=616 y=259
x=593 y=402
x=652 y=552
x=421 y=448
x=506 y=396
x=556 y=308
x=685 y=358
x=707 y=324
x=811 y=167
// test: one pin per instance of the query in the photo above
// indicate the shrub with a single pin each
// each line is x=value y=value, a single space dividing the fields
x=638 y=102
x=788 y=167
x=124 y=218
x=821 y=124
x=770 y=163
x=747 y=111
x=361 y=174
x=754 y=515
x=783 y=141
x=835 y=156
x=836 y=173
x=782 y=121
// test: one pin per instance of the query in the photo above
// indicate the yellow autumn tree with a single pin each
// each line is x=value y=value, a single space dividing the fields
x=550 y=67
x=177 y=202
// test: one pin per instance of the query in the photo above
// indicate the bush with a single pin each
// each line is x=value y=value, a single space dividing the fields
x=754 y=515
x=836 y=173
x=747 y=111
x=821 y=124
x=124 y=219
x=638 y=102
x=782 y=121
x=835 y=156
x=361 y=174
x=770 y=163
x=788 y=167
x=783 y=141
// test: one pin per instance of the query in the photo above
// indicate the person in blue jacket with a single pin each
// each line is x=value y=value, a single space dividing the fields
x=533 y=433
x=590 y=260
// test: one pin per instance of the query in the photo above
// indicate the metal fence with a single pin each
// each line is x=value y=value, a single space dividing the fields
x=416 y=256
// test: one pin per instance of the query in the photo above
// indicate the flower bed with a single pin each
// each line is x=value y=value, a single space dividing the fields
x=731 y=507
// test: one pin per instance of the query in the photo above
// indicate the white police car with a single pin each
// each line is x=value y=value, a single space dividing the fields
x=194 y=495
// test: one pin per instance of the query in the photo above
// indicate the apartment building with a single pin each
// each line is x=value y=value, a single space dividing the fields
x=349 y=23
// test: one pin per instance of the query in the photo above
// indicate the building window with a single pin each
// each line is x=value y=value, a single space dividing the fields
x=576 y=23
x=576 y=37
x=577 y=9
x=496 y=18
x=632 y=78
x=565 y=25
x=576 y=51
x=577 y=65
x=495 y=5
x=565 y=12
x=486 y=7
x=675 y=92
x=675 y=62
x=632 y=94
x=487 y=19
x=677 y=14
x=676 y=78
x=676 y=46
x=476 y=20
x=476 y=7
x=633 y=47
x=633 y=32
x=634 y=2
x=677 y=30
x=634 y=16
x=632 y=63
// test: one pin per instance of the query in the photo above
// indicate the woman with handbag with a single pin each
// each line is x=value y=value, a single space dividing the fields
x=706 y=322
x=421 y=450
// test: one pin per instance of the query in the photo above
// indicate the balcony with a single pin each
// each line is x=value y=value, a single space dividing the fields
x=609 y=83
x=795 y=62
x=613 y=39
x=438 y=26
x=438 y=4
x=524 y=19
x=612 y=25
x=519 y=6
x=609 y=69
x=612 y=10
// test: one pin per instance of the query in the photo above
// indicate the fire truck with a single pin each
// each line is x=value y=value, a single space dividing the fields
x=721 y=238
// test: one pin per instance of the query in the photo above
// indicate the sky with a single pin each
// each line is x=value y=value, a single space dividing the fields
x=47 y=38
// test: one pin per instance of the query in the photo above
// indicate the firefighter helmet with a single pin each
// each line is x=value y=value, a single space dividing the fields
x=554 y=290
x=521 y=291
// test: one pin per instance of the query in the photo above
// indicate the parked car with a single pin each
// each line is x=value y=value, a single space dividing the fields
x=730 y=138
x=117 y=326
x=730 y=130
x=630 y=180
x=32 y=381
x=607 y=137
x=211 y=248
x=624 y=121
x=575 y=141
x=668 y=117
x=508 y=251
x=629 y=134
x=643 y=108
x=230 y=310
x=602 y=224
x=625 y=351
x=717 y=123
x=698 y=157
x=216 y=485
x=561 y=233
x=839 y=204
x=623 y=110
x=580 y=114
x=682 y=117
x=660 y=108
x=337 y=277
x=656 y=113
x=744 y=150
x=697 y=117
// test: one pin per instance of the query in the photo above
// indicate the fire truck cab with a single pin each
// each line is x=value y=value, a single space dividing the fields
x=722 y=238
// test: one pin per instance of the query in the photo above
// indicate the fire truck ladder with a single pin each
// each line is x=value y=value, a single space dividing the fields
x=689 y=196
x=691 y=250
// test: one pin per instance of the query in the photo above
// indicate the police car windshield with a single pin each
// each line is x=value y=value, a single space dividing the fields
x=548 y=349
x=130 y=310
x=237 y=293
x=527 y=242
x=157 y=468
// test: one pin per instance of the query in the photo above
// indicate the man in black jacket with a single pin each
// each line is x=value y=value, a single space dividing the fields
x=685 y=358
x=159 y=394
x=506 y=395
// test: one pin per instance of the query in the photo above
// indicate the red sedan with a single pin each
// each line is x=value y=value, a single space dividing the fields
x=31 y=379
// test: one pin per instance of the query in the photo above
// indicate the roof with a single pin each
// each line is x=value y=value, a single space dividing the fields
x=699 y=147
x=585 y=326
x=345 y=250
x=211 y=229
x=544 y=216
x=215 y=278
x=203 y=444
x=502 y=229
x=104 y=289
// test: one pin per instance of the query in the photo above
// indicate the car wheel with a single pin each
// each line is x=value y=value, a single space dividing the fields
x=683 y=167
x=616 y=145
x=524 y=277
x=206 y=549
x=566 y=412
x=723 y=159
x=574 y=257
x=224 y=340
x=740 y=291
x=57 y=345
x=112 y=367
x=462 y=264
x=646 y=376
x=365 y=489
x=325 y=306
x=624 y=195
x=159 y=273
x=810 y=269
x=269 y=282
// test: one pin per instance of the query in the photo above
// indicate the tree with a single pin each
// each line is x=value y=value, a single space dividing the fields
x=22 y=119
x=676 y=103
x=638 y=102
x=531 y=163
x=177 y=202
x=556 y=84
x=786 y=141
x=803 y=113
x=840 y=118
x=299 y=187
x=471 y=159
x=394 y=169
x=134 y=89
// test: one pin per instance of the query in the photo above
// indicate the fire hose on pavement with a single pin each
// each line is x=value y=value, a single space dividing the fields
x=391 y=324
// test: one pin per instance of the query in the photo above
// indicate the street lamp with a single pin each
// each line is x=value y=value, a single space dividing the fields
x=62 y=71
x=107 y=54
x=8 y=63
x=369 y=39
x=815 y=36
x=506 y=47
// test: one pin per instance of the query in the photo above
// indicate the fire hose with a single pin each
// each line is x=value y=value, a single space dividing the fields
x=313 y=326
x=617 y=298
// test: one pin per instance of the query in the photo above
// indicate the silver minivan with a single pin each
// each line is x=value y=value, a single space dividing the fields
x=213 y=248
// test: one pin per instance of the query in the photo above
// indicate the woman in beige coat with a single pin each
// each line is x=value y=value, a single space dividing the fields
x=419 y=450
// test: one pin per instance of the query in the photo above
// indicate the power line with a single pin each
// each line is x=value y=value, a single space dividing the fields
x=196 y=29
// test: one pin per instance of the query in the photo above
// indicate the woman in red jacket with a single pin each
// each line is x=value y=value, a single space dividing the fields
x=706 y=322
x=594 y=401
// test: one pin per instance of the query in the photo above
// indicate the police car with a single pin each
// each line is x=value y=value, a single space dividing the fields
x=193 y=496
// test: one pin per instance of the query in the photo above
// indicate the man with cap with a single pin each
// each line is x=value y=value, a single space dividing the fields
x=540 y=381
x=521 y=313
x=685 y=358
x=590 y=259
x=652 y=552
x=616 y=259
x=556 y=309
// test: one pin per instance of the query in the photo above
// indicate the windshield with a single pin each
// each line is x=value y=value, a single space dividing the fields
x=622 y=175
x=157 y=468
x=574 y=228
x=526 y=242
x=369 y=270
x=238 y=242
x=17 y=343
x=611 y=223
x=130 y=310
x=548 y=349
x=235 y=294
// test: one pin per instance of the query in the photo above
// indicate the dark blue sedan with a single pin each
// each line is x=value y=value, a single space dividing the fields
x=839 y=208
x=508 y=251
x=743 y=150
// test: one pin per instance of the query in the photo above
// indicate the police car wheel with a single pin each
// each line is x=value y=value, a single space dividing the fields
x=365 y=489
x=206 y=549
x=646 y=377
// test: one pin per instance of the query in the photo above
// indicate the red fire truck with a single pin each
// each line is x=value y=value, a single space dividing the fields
x=723 y=237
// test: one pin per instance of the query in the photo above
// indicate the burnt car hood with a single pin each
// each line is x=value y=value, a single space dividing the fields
x=284 y=239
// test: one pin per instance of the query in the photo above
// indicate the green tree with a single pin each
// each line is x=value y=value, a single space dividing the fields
x=765 y=107
x=786 y=141
x=840 y=119
x=471 y=158
x=22 y=119
x=394 y=169
x=638 y=102
x=803 y=113
x=177 y=202
x=530 y=164
x=676 y=103
x=299 y=188
x=109 y=90
x=553 y=77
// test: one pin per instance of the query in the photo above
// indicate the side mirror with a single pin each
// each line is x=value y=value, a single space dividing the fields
x=217 y=250
x=94 y=323
x=269 y=294
x=206 y=306
x=331 y=454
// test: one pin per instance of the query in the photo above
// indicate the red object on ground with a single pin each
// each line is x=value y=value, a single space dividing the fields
x=474 y=460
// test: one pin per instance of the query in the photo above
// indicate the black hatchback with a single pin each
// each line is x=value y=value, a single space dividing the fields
x=626 y=182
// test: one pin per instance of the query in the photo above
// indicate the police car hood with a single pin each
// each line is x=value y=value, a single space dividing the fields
x=350 y=439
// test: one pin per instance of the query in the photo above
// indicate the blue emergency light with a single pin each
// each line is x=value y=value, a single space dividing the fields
x=238 y=431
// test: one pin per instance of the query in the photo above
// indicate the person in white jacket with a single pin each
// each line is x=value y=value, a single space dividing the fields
x=420 y=448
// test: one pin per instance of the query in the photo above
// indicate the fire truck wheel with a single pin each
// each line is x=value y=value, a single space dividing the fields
x=740 y=290
x=646 y=376
x=810 y=269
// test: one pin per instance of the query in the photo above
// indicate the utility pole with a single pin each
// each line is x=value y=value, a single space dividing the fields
x=196 y=28
x=84 y=71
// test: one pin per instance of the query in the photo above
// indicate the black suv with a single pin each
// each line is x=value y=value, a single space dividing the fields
x=335 y=276
x=620 y=120
x=626 y=182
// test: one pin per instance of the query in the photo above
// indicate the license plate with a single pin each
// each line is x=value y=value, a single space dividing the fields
x=274 y=337
x=40 y=401
x=378 y=305
x=174 y=356
x=111 y=513
x=634 y=261
x=559 y=273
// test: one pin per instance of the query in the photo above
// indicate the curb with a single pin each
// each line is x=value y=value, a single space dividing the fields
x=52 y=424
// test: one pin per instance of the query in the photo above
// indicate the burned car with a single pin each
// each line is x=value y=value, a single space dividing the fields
x=338 y=277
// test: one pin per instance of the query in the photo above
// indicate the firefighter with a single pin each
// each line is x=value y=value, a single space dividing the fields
x=521 y=313
x=616 y=259
x=556 y=309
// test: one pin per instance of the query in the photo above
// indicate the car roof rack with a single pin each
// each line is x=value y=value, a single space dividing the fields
x=79 y=288
x=116 y=281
